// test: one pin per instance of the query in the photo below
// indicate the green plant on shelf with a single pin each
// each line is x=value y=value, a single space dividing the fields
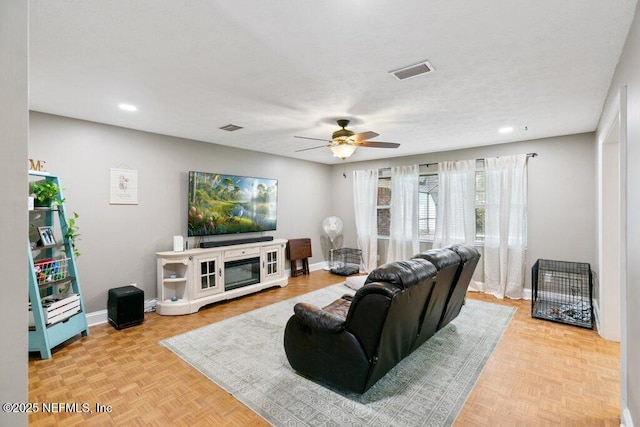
x=72 y=233
x=45 y=193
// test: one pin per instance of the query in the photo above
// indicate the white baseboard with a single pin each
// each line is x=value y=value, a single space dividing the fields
x=99 y=317
x=312 y=267
x=626 y=418
x=319 y=266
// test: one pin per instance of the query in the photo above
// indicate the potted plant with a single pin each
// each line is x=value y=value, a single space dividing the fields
x=72 y=233
x=45 y=192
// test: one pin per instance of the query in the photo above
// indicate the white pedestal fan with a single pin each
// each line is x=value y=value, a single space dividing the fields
x=332 y=236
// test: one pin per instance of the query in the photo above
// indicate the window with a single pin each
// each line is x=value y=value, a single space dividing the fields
x=384 y=206
x=428 y=199
x=480 y=203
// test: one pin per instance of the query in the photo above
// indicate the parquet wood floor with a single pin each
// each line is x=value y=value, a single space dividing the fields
x=541 y=373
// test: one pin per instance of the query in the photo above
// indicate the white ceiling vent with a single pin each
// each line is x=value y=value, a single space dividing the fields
x=413 y=70
x=231 y=128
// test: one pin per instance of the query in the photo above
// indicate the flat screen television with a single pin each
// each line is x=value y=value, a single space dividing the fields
x=229 y=204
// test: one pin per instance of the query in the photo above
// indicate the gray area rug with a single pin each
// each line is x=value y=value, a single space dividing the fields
x=245 y=356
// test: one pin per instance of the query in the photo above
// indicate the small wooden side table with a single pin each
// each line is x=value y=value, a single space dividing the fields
x=299 y=249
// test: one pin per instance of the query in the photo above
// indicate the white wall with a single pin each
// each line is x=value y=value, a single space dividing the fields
x=628 y=74
x=14 y=125
x=118 y=242
x=562 y=204
x=609 y=266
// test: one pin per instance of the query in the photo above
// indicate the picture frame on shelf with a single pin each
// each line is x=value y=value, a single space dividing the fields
x=46 y=236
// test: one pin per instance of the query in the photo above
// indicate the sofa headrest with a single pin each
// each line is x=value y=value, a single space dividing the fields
x=440 y=258
x=466 y=252
x=403 y=274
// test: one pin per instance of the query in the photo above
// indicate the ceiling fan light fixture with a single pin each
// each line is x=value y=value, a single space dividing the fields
x=342 y=135
x=342 y=151
x=344 y=142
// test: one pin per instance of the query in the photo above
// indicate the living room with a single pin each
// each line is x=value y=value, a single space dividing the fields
x=119 y=242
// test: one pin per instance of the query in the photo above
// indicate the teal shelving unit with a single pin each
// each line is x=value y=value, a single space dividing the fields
x=54 y=286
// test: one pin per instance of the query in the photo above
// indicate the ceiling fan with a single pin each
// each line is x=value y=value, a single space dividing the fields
x=344 y=142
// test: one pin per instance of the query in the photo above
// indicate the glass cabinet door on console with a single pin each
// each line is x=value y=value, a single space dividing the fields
x=208 y=276
x=272 y=262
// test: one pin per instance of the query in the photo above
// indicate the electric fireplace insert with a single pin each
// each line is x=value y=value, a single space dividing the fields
x=242 y=272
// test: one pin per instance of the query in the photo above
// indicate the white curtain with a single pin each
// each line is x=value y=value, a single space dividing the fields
x=365 y=191
x=403 y=236
x=505 y=241
x=455 y=210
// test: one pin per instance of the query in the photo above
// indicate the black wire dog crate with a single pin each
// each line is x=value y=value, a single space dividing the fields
x=345 y=261
x=562 y=292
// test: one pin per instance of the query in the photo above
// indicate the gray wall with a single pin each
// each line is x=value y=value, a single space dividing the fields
x=14 y=125
x=628 y=73
x=562 y=202
x=118 y=242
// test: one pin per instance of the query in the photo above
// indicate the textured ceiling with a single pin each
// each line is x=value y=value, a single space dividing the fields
x=291 y=67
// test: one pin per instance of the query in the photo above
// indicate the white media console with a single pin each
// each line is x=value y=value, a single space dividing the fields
x=193 y=278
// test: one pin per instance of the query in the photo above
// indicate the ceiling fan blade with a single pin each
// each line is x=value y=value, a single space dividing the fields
x=315 y=139
x=376 y=144
x=362 y=136
x=312 y=148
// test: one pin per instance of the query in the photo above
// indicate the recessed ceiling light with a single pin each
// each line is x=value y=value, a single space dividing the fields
x=128 y=107
x=506 y=129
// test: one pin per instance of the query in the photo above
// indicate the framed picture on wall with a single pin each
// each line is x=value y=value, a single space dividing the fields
x=123 y=186
x=46 y=236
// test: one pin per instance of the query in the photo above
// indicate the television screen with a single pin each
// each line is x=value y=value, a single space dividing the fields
x=226 y=204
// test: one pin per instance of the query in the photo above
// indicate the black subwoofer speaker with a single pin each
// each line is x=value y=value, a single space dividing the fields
x=125 y=307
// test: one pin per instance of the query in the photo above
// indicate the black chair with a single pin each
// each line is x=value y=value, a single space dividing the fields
x=469 y=257
x=354 y=341
x=447 y=262
x=353 y=352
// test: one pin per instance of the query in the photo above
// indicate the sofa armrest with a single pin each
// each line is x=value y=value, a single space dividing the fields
x=316 y=318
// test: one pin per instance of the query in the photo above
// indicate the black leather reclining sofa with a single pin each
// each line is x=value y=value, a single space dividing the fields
x=354 y=341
